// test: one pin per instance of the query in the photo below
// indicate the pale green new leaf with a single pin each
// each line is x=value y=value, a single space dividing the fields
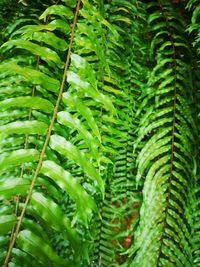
x=24 y=127
x=75 y=80
x=43 y=252
x=51 y=39
x=33 y=102
x=195 y=14
x=17 y=157
x=33 y=76
x=67 y=119
x=75 y=102
x=45 y=53
x=28 y=30
x=84 y=203
x=12 y=187
x=67 y=149
x=60 y=25
x=22 y=258
x=59 y=10
x=46 y=209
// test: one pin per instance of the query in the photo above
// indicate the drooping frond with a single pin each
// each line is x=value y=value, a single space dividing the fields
x=167 y=133
x=194 y=26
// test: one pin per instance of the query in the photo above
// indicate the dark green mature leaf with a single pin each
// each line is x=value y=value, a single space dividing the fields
x=162 y=237
x=6 y=223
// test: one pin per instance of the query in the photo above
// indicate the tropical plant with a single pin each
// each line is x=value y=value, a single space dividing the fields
x=99 y=133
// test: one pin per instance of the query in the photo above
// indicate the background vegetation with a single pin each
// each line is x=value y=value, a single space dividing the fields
x=99 y=133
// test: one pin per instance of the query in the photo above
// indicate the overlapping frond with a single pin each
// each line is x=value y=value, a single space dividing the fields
x=119 y=210
x=71 y=161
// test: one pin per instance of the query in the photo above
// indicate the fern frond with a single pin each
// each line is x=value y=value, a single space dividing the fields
x=40 y=203
x=167 y=134
x=120 y=208
x=193 y=6
x=80 y=159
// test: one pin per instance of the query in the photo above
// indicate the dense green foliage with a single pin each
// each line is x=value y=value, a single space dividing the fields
x=99 y=133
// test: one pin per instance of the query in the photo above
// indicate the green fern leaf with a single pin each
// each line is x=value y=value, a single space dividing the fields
x=85 y=204
x=67 y=149
x=59 y=10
